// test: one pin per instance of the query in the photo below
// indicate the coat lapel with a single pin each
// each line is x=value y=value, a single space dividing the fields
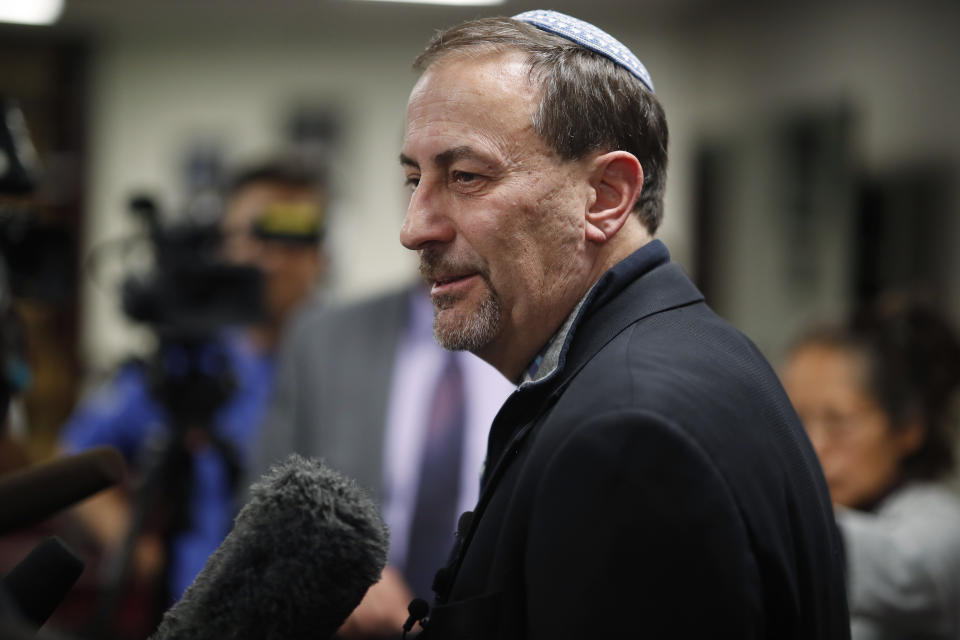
x=626 y=294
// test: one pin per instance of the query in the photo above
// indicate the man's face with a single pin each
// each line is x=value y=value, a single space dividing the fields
x=497 y=218
x=290 y=270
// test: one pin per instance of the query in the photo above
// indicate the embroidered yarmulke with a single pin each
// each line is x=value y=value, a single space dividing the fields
x=589 y=36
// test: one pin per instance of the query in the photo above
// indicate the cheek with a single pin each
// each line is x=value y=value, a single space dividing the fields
x=528 y=239
x=875 y=444
x=558 y=253
x=290 y=274
x=241 y=249
x=852 y=458
x=551 y=232
x=869 y=461
x=529 y=258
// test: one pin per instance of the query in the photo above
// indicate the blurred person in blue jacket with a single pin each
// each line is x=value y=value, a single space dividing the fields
x=272 y=219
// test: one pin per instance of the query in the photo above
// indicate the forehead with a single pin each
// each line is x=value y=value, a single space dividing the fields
x=826 y=369
x=486 y=100
x=251 y=200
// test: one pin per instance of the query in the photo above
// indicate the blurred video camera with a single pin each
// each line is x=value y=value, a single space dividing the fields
x=190 y=292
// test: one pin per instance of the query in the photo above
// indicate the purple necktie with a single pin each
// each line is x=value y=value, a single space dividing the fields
x=435 y=513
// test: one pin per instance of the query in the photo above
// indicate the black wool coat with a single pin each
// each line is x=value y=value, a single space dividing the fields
x=657 y=485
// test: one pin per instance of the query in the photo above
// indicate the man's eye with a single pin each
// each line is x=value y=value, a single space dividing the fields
x=412 y=182
x=465 y=177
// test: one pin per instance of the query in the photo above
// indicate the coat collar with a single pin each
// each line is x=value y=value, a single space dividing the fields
x=550 y=359
x=634 y=289
x=644 y=283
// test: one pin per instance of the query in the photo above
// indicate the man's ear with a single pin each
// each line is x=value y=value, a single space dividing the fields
x=616 y=178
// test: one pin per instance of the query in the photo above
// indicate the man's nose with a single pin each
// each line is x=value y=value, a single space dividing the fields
x=427 y=221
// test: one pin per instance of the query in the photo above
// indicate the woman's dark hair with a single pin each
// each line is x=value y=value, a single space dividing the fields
x=912 y=356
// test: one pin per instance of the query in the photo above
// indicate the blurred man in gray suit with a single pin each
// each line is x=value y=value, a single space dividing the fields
x=366 y=387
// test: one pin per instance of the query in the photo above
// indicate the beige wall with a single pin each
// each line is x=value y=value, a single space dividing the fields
x=156 y=87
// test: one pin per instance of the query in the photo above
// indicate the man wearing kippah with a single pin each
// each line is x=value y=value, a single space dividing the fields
x=648 y=477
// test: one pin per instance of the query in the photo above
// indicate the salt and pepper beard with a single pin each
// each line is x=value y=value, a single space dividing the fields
x=473 y=332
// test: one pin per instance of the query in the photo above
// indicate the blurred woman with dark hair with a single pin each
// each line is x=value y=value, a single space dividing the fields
x=877 y=397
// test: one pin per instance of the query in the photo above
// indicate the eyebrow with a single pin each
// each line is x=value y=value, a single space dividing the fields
x=446 y=158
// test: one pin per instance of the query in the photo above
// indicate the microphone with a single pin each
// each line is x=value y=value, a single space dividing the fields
x=40 y=582
x=418 y=610
x=302 y=553
x=36 y=493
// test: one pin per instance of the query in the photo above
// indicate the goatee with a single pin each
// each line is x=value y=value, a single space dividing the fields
x=469 y=330
x=466 y=330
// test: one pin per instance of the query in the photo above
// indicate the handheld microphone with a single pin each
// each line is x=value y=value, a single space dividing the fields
x=302 y=553
x=38 y=492
x=40 y=582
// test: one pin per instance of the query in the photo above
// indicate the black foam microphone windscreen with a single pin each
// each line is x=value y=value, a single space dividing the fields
x=38 y=492
x=40 y=582
x=302 y=553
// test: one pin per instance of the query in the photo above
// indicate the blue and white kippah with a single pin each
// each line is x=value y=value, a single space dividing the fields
x=587 y=35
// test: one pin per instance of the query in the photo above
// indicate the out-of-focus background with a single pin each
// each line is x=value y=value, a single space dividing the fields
x=813 y=155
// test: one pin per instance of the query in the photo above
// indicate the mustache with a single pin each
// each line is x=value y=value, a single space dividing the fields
x=434 y=263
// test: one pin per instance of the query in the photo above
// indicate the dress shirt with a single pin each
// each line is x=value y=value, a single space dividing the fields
x=418 y=362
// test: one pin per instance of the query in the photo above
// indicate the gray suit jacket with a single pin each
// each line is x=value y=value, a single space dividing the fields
x=332 y=386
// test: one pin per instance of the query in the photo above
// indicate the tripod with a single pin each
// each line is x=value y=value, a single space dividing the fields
x=191 y=378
